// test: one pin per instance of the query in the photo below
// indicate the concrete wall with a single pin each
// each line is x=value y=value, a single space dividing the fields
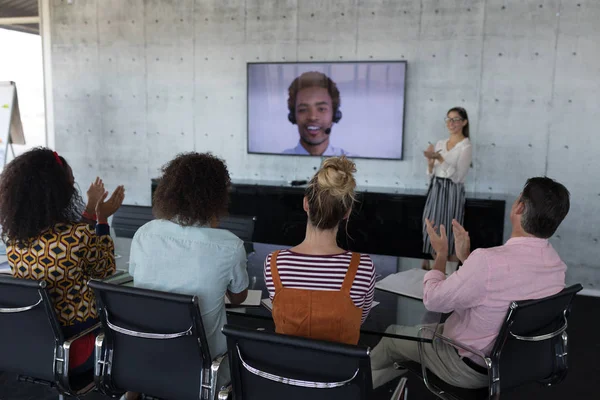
x=136 y=82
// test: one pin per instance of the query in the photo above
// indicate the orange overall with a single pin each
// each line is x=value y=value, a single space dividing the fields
x=317 y=314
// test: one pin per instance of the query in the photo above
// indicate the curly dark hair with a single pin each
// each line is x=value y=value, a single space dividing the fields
x=37 y=193
x=194 y=189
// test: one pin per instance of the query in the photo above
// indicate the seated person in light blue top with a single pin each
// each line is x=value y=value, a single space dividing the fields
x=182 y=252
x=313 y=103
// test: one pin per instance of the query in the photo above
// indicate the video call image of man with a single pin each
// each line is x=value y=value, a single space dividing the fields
x=314 y=105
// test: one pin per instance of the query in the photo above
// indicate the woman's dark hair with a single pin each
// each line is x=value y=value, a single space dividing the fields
x=36 y=193
x=463 y=114
x=546 y=205
x=330 y=192
x=193 y=190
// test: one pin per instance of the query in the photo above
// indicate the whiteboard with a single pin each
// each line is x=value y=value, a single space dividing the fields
x=11 y=129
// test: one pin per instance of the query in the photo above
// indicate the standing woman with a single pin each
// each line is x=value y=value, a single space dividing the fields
x=447 y=166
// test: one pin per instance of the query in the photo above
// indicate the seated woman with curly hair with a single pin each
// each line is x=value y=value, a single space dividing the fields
x=48 y=239
x=182 y=252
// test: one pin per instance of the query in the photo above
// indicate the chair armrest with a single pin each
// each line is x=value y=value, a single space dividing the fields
x=214 y=374
x=225 y=392
x=61 y=358
x=458 y=345
x=99 y=362
x=455 y=344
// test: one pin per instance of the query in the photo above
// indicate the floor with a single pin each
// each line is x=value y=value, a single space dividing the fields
x=584 y=352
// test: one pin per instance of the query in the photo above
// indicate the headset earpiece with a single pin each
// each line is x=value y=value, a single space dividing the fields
x=337 y=116
x=292 y=117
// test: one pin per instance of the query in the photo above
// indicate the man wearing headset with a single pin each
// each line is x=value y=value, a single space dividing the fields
x=314 y=102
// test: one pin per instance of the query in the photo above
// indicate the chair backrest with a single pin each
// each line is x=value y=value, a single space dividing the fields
x=239 y=225
x=531 y=345
x=29 y=329
x=154 y=341
x=267 y=366
x=128 y=219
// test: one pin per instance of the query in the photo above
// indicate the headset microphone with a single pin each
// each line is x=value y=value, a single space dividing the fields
x=328 y=131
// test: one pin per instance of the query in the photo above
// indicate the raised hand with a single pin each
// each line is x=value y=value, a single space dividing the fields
x=429 y=152
x=94 y=193
x=106 y=208
x=462 y=241
x=439 y=242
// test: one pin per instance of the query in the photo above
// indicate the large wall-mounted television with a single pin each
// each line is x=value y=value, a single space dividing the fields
x=327 y=108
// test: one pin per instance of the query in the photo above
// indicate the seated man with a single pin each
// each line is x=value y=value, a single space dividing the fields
x=479 y=294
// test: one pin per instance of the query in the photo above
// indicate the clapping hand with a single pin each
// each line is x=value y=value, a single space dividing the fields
x=94 y=193
x=462 y=241
x=105 y=209
x=439 y=242
x=429 y=152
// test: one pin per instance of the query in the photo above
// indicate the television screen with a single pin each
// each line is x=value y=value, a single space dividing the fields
x=327 y=109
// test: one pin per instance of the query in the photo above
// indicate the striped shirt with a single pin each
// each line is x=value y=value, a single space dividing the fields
x=310 y=272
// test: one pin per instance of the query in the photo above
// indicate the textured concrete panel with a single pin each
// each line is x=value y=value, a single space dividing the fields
x=327 y=29
x=397 y=50
x=116 y=171
x=170 y=68
x=573 y=149
x=165 y=139
x=280 y=52
x=219 y=68
x=169 y=23
x=123 y=77
x=577 y=67
x=580 y=18
x=493 y=162
x=219 y=22
x=74 y=24
x=518 y=68
x=521 y=19
x=76 y=73
x=451 y=19
x=388 y=21
x=452 y=64
x=271 y=22
x=121 y=23
x=124 y=134
x=78 y=118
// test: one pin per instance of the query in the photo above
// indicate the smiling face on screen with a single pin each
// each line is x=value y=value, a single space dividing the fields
x=314 y=114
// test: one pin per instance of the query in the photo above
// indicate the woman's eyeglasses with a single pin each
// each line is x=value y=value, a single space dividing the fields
x=446 y=120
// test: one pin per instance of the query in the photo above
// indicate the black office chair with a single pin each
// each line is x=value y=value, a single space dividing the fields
x=32 y=343
x=154 y=343
x=128 y=219
x=267 y=366
x=242 y=227
x=531 y=347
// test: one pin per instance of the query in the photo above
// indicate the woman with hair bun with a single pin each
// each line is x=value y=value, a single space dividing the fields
x=318 y=289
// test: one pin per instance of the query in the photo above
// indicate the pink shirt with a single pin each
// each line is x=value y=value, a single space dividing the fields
x=481 y=291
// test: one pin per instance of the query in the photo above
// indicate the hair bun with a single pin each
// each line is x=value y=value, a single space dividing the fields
x=336 y=176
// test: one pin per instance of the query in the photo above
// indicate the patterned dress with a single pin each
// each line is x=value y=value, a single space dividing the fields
x=66 y=256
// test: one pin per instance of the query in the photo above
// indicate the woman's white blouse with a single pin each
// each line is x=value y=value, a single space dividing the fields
x=456 y=161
